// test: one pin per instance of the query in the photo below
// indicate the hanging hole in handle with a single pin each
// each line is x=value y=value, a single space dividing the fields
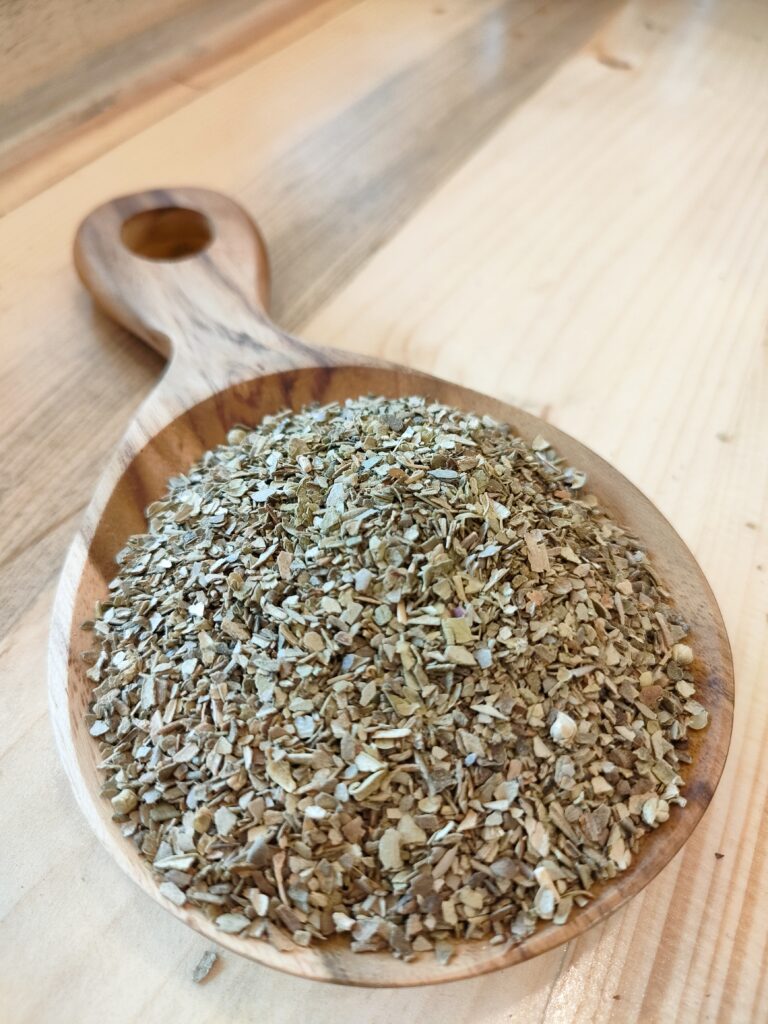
x=167 y=233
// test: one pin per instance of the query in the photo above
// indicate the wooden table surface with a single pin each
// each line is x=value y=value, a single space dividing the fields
x=563 y=204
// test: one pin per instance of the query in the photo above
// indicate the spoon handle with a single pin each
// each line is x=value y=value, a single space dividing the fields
x=186 y=270
x=174 y=265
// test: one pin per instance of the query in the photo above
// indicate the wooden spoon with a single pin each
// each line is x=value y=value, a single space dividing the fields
x=186 y=270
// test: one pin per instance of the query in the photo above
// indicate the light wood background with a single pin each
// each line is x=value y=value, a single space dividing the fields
x=563 y=204
x=68 y=64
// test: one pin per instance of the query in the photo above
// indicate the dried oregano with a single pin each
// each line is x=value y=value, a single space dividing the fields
x=382 y=669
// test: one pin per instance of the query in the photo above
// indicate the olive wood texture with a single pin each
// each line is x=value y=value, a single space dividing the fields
x=186 y=270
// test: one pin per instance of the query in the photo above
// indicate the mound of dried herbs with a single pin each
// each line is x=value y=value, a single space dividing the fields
x=383 y=669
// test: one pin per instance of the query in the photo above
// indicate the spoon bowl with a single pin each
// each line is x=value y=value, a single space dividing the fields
x=186 y=270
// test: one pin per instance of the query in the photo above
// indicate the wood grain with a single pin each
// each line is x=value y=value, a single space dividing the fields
x=65 y=62
x=618 y=290
x=153 y=91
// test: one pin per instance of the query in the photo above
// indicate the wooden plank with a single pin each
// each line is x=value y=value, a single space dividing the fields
x=61 y=67
x=37 y=41
x=103 y=127
x=607 y=229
